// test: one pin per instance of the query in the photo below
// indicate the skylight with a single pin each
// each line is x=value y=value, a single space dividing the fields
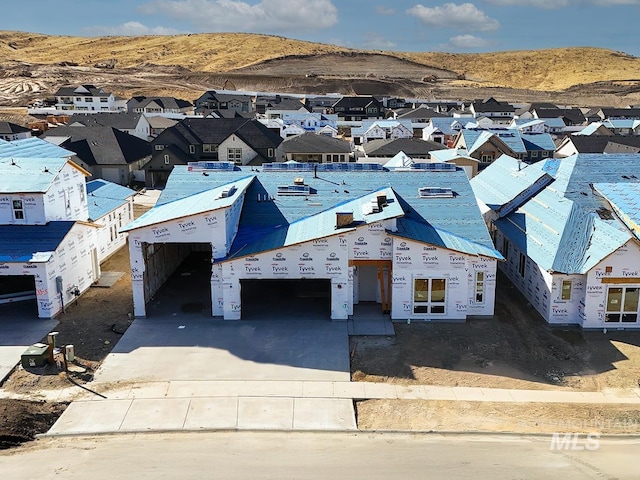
x=435 y=192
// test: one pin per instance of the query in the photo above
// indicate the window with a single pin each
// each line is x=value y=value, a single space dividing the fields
x=479 y=287
x=18 y=210
x=234 y=155
x=159 y=147
x=566 y=290
x=505 y=248
x=270 y=153
x=209 y=148
x=88 y=99
x=429 y=295
x=521 y=264
x=104 y=99
x=622 y=304
x=78 y=99
x=486 y=158
x=166 y=159
x=534 y=154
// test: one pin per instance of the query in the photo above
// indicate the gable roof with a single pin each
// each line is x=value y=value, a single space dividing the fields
x=30 y=175
x=97 y=145
x=568 y=226
x=314 y=143
x=121 y=120
x=8 y=128
x=85 y=90
x=410 y=146
x=33 y=147
x=597 y=143
x=166 y=103
x=104 y=197
x=492 y=105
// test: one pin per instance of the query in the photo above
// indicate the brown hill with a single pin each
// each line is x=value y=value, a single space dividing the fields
x=34 y=65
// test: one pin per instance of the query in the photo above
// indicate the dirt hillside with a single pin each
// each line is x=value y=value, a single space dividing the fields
x=34 y=65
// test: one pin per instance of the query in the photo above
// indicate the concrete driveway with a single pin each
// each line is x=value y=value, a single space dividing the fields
x=19 y=328
x=194 y=373
x=185 y=348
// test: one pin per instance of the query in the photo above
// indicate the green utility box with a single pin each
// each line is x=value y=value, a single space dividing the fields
x=37 y=355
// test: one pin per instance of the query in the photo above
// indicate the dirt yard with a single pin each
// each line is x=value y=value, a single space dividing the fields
x=516 y=349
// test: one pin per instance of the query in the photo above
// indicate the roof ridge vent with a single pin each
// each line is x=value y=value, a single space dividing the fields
x=228 y=191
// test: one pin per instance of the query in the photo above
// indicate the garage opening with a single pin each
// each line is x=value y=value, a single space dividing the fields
x=188 y=288
x=15 y=288
x=291 y=299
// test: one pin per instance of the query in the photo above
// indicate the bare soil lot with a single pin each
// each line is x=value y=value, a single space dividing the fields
x=515 y=349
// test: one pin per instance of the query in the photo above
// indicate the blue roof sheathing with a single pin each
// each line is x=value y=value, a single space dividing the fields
x=268 y=224
x=31 y=243
x=29 y=175
x=33 y=148
x=569 y=226
x=104 y=197
x=515 y=178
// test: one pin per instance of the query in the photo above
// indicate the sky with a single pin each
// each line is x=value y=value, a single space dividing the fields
x=398 y=25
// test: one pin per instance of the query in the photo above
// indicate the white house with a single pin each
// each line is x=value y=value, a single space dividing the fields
x=568 y=229
x=41 y=243
x=88 y=98
x=381 y=130
x=417 y=247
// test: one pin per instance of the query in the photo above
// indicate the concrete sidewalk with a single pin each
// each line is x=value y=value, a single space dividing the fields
x=272 y=405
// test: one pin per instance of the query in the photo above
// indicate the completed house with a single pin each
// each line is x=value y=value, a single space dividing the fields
x=568 y=229
x=159 y=105
x=381 y=130
x=573 y=144
x=499 y=113
x=414 y=147
x=224 y=101
x=350 y=108
x=236 y=140
x=10 y=131
x=106 y=152
x=413 y=242
x=88 y=98
x=311 y=147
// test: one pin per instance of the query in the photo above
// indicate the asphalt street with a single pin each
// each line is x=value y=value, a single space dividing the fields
x=321 y=455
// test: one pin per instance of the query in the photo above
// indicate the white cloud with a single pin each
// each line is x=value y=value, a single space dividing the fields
x=130 y=29
x=555 y=4
x=264 y=16
x=467 y=42
x=382 y=10
x=449 y=15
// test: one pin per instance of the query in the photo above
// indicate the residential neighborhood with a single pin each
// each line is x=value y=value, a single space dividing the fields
x=288 y=261
x=357 y=163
